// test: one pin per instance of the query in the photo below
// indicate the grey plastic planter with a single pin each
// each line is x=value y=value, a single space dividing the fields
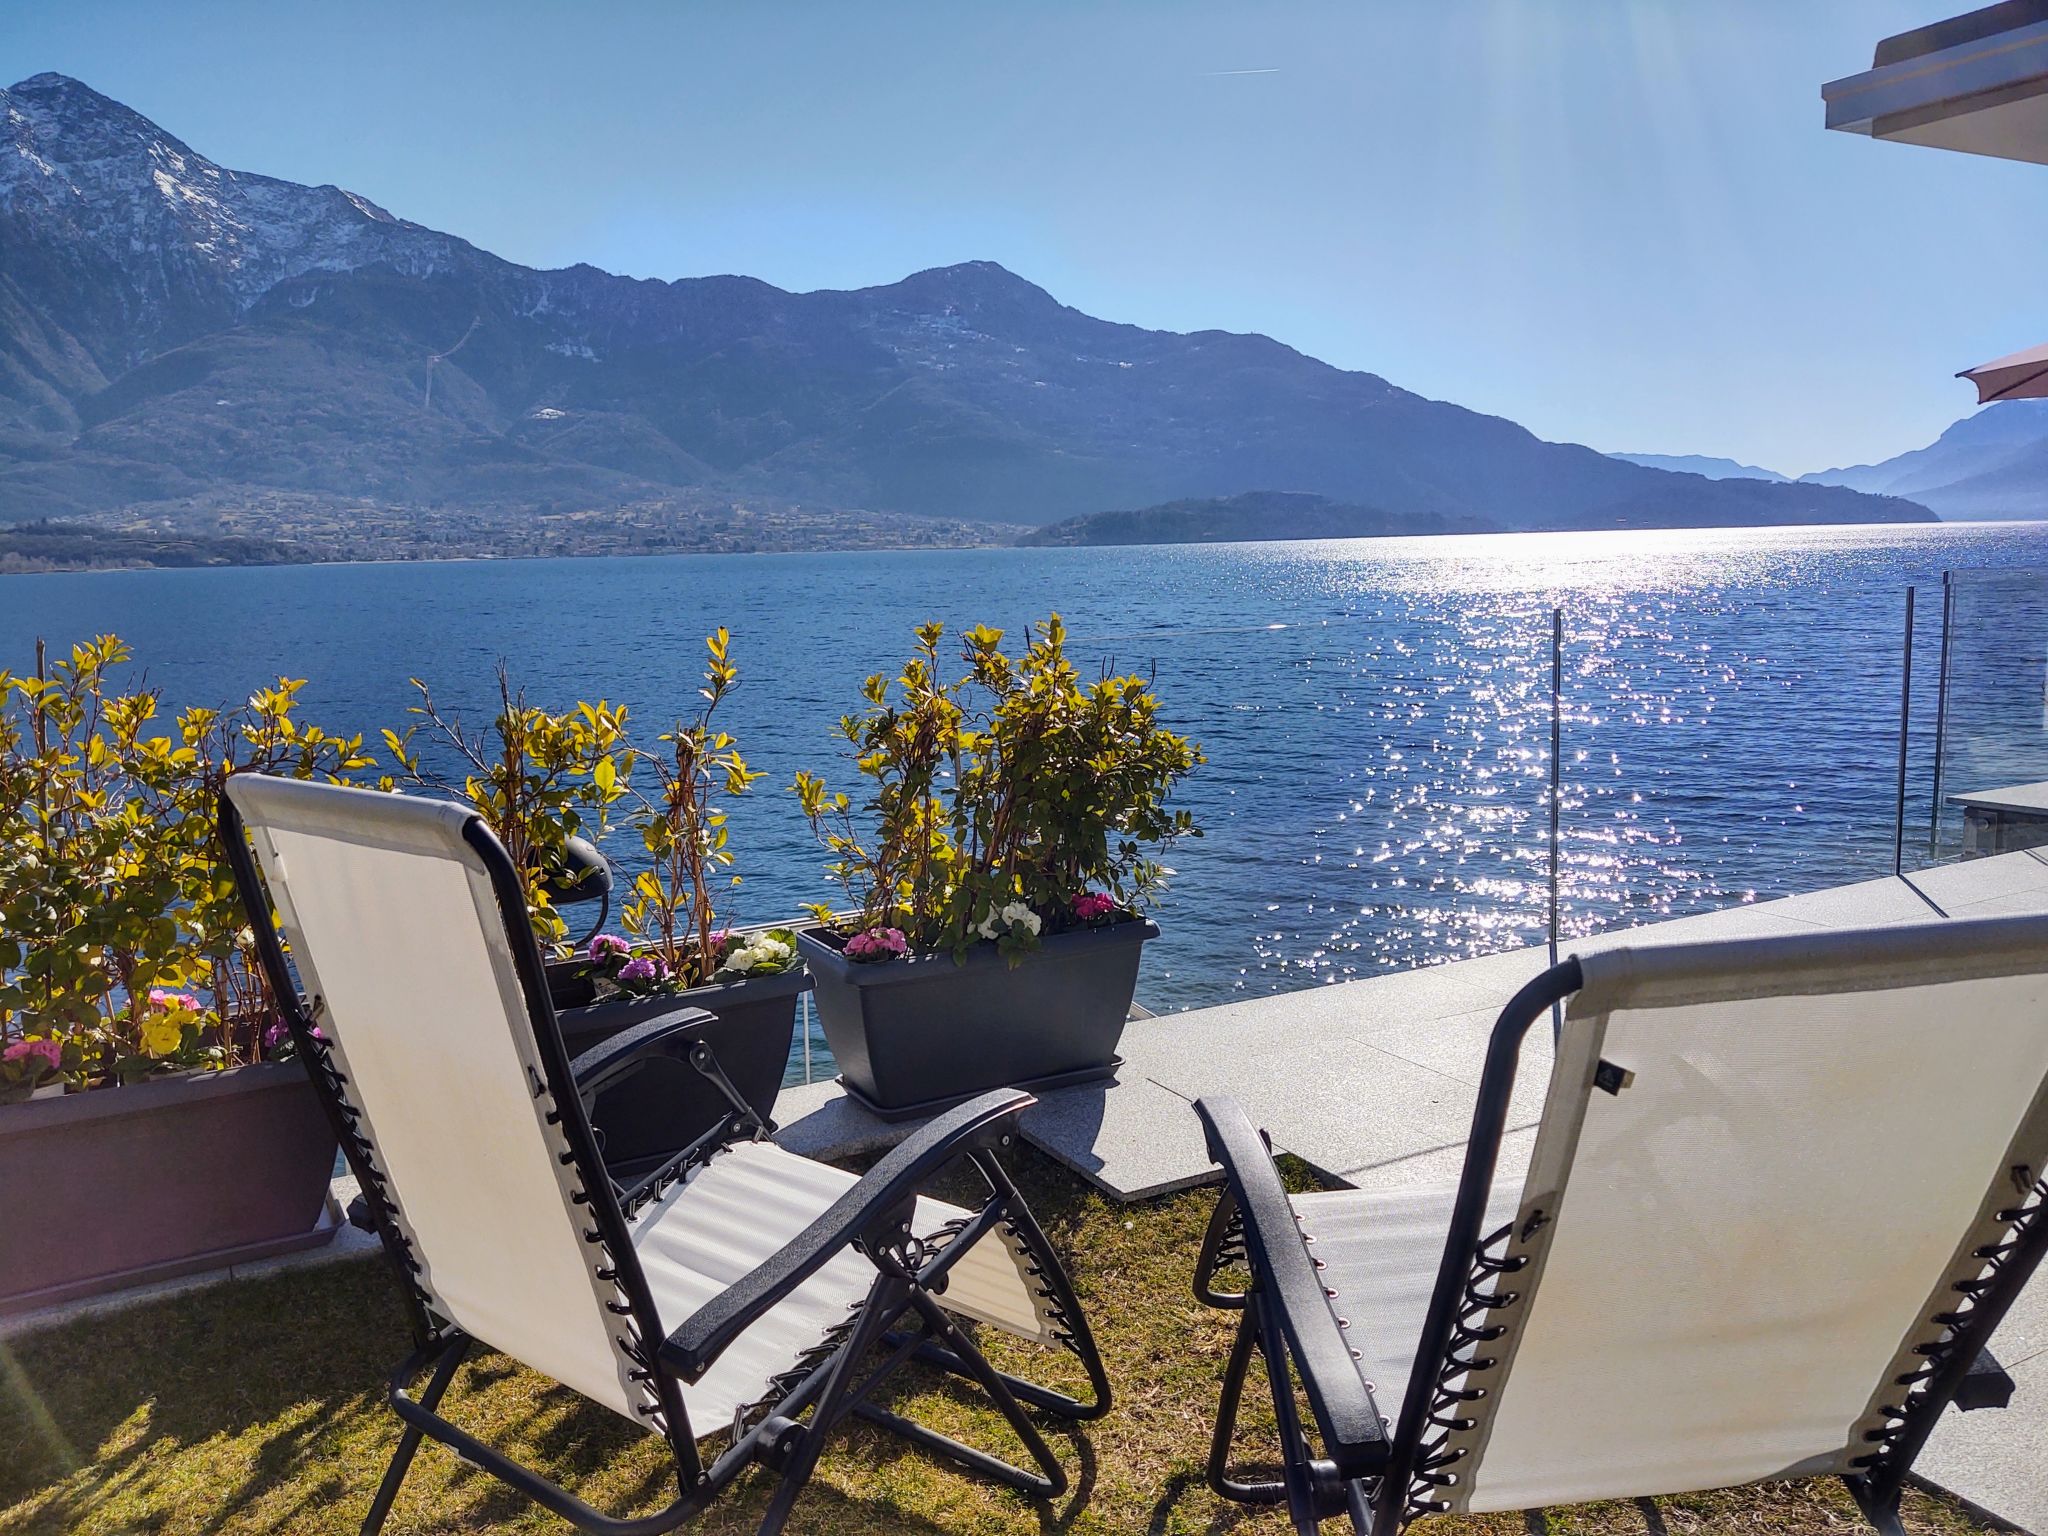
x=123 y=1186
x=667 y=1106
x=914 y=1035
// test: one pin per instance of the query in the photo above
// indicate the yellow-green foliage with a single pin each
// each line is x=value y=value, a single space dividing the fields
x=1014 y=786
x=111 y=888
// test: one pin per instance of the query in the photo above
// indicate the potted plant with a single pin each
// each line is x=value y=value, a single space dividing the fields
x=997 y=897
x=683 y=950
x=150 y=1121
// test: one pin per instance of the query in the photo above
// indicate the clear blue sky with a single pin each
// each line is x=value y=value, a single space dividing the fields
x=1619 y=224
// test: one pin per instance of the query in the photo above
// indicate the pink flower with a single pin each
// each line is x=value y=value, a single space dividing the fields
x=606 y=945
x=1092 y=906
x=876 y=944
x=644 y=968
x=50 y=1050
x=166 y=1001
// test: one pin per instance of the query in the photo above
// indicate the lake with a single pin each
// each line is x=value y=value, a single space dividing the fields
x=1376 y=713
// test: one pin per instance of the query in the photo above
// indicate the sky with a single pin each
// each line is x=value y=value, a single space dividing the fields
x=1617 y=223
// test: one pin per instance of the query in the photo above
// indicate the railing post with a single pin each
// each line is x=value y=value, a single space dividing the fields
x=1905 y=721
x=1556 y=786
x=1948 y=615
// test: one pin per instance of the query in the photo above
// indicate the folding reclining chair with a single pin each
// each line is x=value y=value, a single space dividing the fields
x=725 y=1293
x=1781 y=1192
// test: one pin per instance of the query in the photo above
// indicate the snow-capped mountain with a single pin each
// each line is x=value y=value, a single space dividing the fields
x=173 y=331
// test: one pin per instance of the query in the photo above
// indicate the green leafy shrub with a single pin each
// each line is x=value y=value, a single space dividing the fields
x=123 y=948
x=536 y=778
x=999 y=797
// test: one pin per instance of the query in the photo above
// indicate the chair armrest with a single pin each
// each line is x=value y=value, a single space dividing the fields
x=882 y=1197
x=1280 y=1265
x=606 y=1062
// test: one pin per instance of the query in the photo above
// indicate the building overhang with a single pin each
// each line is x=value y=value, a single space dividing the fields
x=1976 y=83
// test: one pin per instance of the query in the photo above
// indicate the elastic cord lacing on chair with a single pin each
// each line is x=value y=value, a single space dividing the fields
x=1453 y=1387
x=1915 y=1402
x=780 y=1385
x=361 y=1155
x=1039 y=1282
x=631 y=1347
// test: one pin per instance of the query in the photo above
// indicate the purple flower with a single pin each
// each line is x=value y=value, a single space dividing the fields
x=876 y=944
x=1091 y=906
x=644 y=968
x=606 y=945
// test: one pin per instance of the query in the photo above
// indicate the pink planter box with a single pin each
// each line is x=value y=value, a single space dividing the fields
x=124 y=1186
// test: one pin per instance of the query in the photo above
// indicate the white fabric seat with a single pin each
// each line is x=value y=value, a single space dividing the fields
x=1379 y=1251
x=703 y=1237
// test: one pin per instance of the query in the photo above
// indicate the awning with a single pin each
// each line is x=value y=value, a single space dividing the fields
x=2022 y=376
x=1976 y=83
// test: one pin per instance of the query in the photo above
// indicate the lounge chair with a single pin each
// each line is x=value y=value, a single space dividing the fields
x=1781 y=1192
x=722 y=1294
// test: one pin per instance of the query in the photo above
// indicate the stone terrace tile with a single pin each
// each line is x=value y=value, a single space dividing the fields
x=1131 y=1138
x=1975 y=880
x=1873 y=903
x=1993 y=1457
x=1336 y=1107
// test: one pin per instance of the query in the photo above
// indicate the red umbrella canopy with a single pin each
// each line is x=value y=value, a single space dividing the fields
x=2023 y=376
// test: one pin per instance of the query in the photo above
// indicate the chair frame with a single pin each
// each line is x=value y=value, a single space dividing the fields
x=1382 y=1481
x=900 y=1313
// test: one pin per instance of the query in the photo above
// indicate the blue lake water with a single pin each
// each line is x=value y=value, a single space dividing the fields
x=1376 y=713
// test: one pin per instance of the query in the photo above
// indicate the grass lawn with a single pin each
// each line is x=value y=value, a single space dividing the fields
x=257 y=1406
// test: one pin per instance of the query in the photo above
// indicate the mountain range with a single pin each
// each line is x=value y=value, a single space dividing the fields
x=184 y=345
x=1700 y=464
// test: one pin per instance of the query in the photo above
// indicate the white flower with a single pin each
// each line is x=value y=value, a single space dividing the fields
x=987 y=929
x=771 y=949
x=742 y=960
x=1017 y=915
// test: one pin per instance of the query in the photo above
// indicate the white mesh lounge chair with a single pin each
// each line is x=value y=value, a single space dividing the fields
x=1781 y=1193
x=725 y=1293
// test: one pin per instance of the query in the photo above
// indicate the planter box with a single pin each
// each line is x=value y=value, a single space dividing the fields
x=667 y=1105
x=123 y=1186
x=915 y=1035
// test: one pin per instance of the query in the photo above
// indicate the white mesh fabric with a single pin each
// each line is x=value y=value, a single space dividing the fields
x=395 y=931
x=700 y=1238
x=1741 y=1242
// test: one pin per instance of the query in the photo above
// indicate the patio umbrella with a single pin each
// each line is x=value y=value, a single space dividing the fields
x=2023 y=376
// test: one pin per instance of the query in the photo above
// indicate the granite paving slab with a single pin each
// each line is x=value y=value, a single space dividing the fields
x=1994 y=1457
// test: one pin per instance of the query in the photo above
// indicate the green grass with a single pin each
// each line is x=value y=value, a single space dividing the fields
x=257 y=1406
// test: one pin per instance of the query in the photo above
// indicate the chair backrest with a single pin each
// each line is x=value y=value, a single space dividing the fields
x=1763 y=1168
x=389 y=905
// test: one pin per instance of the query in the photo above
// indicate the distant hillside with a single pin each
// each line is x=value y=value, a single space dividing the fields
x=1993 y=464
x=75 y=547
x=175 y=334
x=1253 y=516
x=1701 y=464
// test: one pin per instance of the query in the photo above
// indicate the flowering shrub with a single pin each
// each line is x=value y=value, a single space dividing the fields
x=123 y=947
x=995 y=796
x=675 y=899
x=537 y=779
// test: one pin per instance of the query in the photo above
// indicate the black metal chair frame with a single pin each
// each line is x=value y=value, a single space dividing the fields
x=900 y=1315
x=1383 y=1475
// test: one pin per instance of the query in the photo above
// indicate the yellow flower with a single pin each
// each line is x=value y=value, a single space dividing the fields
x=162 y=1035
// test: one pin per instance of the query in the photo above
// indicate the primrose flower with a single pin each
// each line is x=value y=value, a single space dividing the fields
x=876 y=944
x=644 y=968
x=606 y=945
x=162 y=1035
x=50 y=1051
x=1092 y=906
x=172 y=1002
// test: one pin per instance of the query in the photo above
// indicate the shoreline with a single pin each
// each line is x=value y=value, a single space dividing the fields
x=925 y=549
